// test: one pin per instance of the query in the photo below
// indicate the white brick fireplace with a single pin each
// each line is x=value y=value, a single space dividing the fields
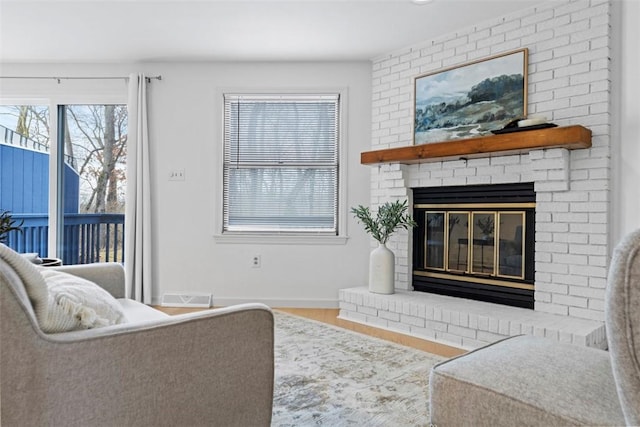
x=569 y=72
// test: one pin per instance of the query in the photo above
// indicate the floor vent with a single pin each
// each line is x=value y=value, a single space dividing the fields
x=186 y=300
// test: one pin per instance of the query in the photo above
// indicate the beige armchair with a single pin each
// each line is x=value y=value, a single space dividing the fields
x=530 y=381
x=208 y=368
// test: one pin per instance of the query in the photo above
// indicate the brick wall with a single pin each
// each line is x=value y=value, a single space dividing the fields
x=569 y=83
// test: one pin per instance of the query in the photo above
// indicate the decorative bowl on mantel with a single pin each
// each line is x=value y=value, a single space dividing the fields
x=524 y=128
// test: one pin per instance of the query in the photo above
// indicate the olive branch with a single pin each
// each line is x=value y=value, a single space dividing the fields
x=390 y=217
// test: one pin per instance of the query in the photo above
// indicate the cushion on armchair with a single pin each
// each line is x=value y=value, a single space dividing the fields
x=75 y=303
x=525 y=381
x=63 y=302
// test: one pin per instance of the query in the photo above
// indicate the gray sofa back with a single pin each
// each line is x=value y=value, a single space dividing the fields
x=214 y=367
x=13 y=294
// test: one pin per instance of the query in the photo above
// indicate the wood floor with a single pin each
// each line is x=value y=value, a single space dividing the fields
x=330 y=316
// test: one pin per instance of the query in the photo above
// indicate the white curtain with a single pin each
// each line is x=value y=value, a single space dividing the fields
x=138 y=204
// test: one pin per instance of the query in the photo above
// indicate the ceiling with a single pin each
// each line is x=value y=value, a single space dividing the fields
x=106 y=31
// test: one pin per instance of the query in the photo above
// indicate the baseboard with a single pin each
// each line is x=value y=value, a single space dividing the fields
x=281 y=302
x=271 y=302
x=186 y=299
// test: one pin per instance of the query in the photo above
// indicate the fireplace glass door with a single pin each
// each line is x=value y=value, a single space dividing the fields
x=476 y=241
x=482 y=243
x=483 y=248
x=458 y=242
x=511 y=244
x=434 y=252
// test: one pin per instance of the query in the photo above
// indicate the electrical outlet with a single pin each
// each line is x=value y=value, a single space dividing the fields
x=176 y=175
x=256 y=261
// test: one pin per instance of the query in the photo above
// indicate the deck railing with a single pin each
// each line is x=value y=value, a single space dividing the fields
x=11 y=137
x=87 y=237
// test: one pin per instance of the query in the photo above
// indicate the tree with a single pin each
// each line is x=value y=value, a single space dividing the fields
x=32 y=122
x=102 y=141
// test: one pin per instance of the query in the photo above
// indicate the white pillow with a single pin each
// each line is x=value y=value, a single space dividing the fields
x=75 y=303
x=33 y=281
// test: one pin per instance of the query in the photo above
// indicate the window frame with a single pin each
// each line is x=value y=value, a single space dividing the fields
x=56 y=152
x=283 y=237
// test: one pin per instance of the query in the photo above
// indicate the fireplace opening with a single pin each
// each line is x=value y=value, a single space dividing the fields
x=476 y=242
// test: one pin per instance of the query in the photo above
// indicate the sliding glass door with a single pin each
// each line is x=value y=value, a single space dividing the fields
x=24 y=175
x=94 y=138
x=88 y=187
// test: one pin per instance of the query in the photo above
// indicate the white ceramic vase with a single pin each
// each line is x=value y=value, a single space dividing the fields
x=382 y=264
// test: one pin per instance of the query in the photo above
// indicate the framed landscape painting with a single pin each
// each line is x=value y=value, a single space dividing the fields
x=472 y=99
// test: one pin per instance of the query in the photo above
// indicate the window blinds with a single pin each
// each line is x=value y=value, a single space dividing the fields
x=281 y=163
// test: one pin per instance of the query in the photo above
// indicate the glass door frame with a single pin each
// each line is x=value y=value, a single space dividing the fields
x=56 y=151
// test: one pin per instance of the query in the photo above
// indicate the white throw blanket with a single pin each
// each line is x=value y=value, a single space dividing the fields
x=34 y=283
x=61 y=301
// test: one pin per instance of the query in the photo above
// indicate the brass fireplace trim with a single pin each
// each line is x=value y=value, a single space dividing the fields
x=474 y=280
x=446 y=267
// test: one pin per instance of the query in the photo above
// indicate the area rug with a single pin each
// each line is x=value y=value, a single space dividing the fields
x=330 y=376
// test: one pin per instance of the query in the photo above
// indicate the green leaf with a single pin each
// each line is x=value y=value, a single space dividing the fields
x=390 y=217
x=8 y=224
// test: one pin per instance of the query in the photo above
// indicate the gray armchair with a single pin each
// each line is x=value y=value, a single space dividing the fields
x=529 y=381
x=207 y=368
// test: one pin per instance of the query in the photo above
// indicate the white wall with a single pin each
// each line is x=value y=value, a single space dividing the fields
x=185 y=112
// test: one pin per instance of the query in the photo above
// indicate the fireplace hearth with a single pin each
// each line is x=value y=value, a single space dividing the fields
x=476 y=242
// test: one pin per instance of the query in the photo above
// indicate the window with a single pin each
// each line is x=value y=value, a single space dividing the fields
x=87 y=220
x=95 y=140
x=281 y=163
x=24 y=174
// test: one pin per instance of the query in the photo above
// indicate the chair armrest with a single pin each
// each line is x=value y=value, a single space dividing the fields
x=107 y=275
x=207 y=368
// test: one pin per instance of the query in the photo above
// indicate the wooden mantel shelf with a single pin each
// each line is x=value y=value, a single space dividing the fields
x=570 y=137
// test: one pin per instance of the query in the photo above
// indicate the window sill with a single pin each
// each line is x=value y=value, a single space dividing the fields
x=279 y=239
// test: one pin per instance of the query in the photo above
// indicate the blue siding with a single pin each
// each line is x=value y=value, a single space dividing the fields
x=71 y=190
x=6 y=178
x=24 y=178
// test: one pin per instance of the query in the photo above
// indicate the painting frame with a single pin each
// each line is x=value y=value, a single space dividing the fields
x=470 y=99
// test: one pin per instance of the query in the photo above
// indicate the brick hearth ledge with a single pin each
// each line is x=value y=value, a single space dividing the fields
x=462 y=323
